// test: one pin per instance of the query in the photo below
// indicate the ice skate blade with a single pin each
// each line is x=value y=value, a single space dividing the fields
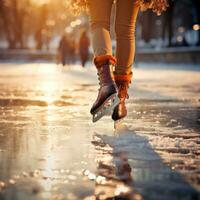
x=109 y=105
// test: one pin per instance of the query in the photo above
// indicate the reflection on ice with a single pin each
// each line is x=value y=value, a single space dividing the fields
x=135 y=167
x=113 y=179
x=50 y=90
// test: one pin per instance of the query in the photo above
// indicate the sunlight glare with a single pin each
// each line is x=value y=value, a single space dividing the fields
x=50 y=90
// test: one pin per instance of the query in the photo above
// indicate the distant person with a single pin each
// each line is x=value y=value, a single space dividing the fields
x=46 y=39
x=64 y=49
x=84 y=44
x=72 y=51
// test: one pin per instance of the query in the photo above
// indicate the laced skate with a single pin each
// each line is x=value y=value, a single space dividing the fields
x=120 y=112
x=107 y=98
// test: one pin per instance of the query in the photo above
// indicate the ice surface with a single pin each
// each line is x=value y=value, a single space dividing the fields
x=49 y=148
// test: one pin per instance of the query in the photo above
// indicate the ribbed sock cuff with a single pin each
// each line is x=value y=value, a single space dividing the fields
x=123 y=77
x=104 y=59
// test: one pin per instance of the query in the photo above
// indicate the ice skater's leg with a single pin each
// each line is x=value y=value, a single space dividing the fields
x=100 y=11
x=107 y=99
x=122 y=82
x=125 y=35
x=126 y=16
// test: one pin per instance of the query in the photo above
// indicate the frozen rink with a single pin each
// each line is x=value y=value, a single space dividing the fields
x=50 y=149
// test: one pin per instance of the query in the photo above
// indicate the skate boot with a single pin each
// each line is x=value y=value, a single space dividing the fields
x=122 y=82
x=107 y=98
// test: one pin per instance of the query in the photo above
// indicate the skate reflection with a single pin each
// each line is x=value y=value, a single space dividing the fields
x=114 y=178
x=130 y=167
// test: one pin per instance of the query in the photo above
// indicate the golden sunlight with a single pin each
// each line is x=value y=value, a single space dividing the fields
x=49 y=87
x=41 y=2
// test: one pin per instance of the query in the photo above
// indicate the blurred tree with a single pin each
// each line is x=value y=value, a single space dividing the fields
x=35 y=23
x=178 y=19
x=167 y=25
x=19 y=14
x=42 y=26
x=147 y=25
x=4 y=6
x=185 y=16
x=197 y=7
x=12 y=13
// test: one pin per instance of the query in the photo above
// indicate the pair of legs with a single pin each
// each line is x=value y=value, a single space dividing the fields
x=125 y=20
x=126 y=15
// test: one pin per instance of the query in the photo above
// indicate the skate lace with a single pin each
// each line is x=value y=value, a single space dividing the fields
x=103 y=77
x=100 y=80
